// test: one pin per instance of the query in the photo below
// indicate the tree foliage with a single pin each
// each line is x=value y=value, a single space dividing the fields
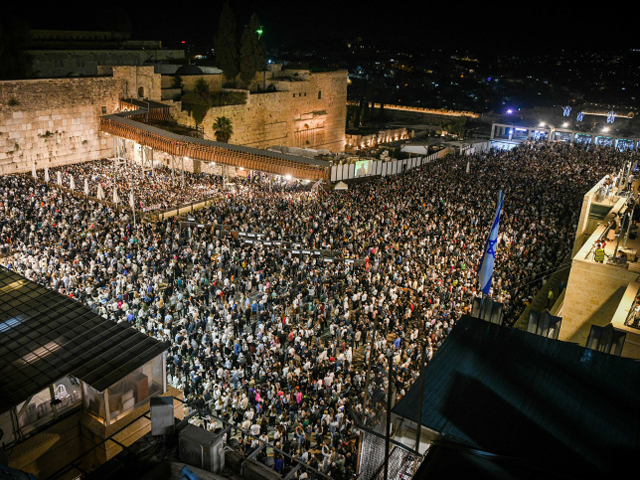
x=197 y=105
x=223 y=129
x=225 y=43
x=202 y=88
x=253 y=54
x=457 y=127
x=178 y=82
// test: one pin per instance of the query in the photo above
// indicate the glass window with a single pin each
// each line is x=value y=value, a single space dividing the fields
x=36 y=411
x=67 y=392
x=94 y=401
x=136 y=388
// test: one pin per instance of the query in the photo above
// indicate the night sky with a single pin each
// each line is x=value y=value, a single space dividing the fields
x=478 y=26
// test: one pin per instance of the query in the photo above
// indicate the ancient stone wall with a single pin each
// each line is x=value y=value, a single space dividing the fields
x=54 y=121
x=140 y=82
x=189 y=81
x=311 y=113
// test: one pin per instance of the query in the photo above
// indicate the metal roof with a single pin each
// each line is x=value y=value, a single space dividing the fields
x=118 y=117
x=552 y=404
x=45 y=336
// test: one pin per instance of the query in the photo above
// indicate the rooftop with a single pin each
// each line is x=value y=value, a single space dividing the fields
x=45 y=336
x=553 y=405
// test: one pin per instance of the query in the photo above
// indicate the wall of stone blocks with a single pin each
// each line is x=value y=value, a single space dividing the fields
x=55 y=121
x=136 y=77
x=311 y=114
x=189 y=81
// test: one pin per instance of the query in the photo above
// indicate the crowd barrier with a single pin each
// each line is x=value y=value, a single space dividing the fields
x=381 y=168
x=252 y=238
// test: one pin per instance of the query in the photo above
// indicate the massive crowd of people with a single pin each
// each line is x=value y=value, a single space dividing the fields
x=156 y=189
x=269 y=340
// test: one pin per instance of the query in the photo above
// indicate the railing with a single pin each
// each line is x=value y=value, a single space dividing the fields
x=632 y=319
x=209 y=151
x=229 y=428
x=75 y=463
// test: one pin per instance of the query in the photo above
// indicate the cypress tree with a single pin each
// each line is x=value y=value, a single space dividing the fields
x=225 y=43
x=252 y=51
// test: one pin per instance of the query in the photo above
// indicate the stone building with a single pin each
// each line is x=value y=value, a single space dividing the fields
x=293 y=108
x=58 y=53
x=599 y=307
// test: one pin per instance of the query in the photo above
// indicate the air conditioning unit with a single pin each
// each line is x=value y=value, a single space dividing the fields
x=201 y=448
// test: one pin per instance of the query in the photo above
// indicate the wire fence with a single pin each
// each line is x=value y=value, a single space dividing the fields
x=381 y=458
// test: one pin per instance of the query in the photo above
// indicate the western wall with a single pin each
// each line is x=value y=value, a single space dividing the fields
x=53 y=122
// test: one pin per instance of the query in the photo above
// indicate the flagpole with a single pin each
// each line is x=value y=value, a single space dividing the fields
x=485 y=270
x=133 y=205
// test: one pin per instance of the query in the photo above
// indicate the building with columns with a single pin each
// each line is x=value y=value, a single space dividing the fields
x=507 y=135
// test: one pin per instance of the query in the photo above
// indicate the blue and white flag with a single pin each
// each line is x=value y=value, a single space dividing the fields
x=485 y=272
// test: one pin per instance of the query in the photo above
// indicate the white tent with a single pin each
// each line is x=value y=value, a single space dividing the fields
x=59 y=179
x=341 y=186
x=116 y=199
x=46 y=174
x=72 y=183
x=100 y=192
x=33 y=171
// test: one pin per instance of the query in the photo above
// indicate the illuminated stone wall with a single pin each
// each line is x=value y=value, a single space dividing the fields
x=308 y=112
x=55 y=121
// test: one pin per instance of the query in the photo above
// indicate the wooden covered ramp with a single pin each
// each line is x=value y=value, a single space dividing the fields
x=124 y=125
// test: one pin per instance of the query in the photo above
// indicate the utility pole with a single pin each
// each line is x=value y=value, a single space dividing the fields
x=371 y=356
x=388 y=432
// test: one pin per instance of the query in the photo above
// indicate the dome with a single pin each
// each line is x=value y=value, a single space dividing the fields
x=189 y=70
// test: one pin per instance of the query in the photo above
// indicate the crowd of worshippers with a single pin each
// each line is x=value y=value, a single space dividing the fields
x=279 y=344
x=159 y=188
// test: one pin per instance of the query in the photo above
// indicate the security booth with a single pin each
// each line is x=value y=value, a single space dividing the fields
x=70 y=380
x=128 y=393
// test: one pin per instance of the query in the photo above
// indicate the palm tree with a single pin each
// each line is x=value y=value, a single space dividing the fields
x=222 y=129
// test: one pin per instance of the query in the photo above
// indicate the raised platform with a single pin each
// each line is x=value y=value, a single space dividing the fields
x=125 y=126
